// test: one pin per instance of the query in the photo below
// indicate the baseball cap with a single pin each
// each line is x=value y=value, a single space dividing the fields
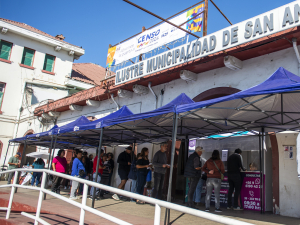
x=19 y=154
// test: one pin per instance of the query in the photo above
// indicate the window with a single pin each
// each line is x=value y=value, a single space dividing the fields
x=2 y=88
x=49 y=63
x=27 y=58
x=5 y=49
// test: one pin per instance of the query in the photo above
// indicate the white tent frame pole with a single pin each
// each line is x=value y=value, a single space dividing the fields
x=50 y=163
x=97 y=167
x=174 y=135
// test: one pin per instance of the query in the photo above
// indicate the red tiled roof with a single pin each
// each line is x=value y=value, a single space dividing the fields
x=88 y=72
x=27 y=27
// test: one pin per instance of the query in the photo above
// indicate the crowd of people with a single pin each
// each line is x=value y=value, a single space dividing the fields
x=211 y=171
x=139 y=170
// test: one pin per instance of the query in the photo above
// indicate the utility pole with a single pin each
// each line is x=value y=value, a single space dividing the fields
x=205 y=18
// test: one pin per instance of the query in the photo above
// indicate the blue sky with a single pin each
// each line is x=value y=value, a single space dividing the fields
x=94 y=24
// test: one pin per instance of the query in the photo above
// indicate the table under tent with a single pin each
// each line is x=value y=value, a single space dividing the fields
x=271 y=106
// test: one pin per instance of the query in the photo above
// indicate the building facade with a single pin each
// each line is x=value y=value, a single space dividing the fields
x=211 y=76
x=35 y=69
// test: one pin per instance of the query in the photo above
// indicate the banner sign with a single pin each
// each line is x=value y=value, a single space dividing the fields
x=268 y=23
x=250 y=192
x=156 y=37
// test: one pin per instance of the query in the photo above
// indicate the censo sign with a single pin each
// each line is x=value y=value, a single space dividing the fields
x=276 y=20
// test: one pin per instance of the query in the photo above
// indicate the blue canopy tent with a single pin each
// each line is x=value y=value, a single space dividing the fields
x=46 y=139
x=271 y=106
x=93 y=132
x=41 y=134
x=90 y=132
x=157 y=125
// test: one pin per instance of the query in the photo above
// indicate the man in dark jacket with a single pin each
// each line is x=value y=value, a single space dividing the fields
x=234 y=167
x=193 y=172
x=160 y=167
x=124 y=161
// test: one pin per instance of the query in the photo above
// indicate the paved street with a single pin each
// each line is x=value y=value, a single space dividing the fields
x=58 y=212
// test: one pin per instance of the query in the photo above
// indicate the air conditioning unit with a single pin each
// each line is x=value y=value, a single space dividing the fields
x=47 y=117
x=124 y=93
x=57 y=48
x=54 y=114
x=188 y=75
x=4 y=30
x=233 y=63
x=140 y=90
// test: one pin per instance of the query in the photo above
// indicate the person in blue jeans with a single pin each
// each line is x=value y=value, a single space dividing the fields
x=142 y=164
x=77 y=167
x=198 y=191
x=38 y=164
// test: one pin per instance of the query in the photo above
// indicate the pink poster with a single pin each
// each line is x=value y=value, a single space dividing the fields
x=250 y=193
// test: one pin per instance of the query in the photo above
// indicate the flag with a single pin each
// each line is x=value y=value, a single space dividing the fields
x=110 y=57
x=195 y=24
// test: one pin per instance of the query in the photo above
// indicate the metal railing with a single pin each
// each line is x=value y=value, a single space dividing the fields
x=158 y=203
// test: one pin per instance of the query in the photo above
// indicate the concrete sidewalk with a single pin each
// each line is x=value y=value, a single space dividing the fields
x=56 y=211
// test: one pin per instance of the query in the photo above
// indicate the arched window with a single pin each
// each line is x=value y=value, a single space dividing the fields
x=215 y=93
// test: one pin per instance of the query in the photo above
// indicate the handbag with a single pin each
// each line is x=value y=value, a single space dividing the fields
x=204 y=176
x=222 y=175
x=81 y=173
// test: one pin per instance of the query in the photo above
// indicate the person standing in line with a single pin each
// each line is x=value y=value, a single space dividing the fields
x=91 y=157
x=124 y=161
x=110 y=158
x=202 y=181
x=160 y=167
x=193 y=172
x=142 y=164
x=59 y=164
x=87 y=164
x=13 y=163
x=100 y=171
x=78 y=171
x=38 y=164
x=133 y=174
x=234 y=167
x=214 y=168
x=105 y=174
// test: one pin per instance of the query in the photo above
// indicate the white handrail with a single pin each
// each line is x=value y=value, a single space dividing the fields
x=158 y=203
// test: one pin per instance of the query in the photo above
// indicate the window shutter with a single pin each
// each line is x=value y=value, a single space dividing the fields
x=5 y=49
x=27 y=57
x=1 y=95
x=48 y=64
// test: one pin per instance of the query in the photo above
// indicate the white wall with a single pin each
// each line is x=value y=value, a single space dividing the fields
x=289 y=183
x=254 y=71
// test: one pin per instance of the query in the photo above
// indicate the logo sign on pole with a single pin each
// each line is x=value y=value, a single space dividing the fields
x=156 y=37
x=282 y=18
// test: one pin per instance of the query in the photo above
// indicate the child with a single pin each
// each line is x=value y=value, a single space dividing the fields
x=105 y=174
